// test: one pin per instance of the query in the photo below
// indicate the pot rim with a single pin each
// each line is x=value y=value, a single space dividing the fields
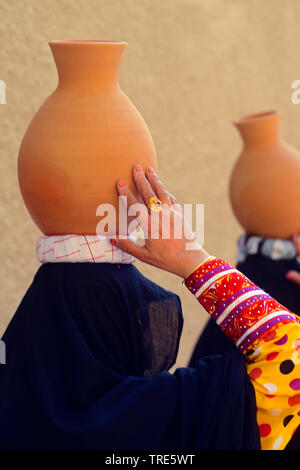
x=86 y=42
x=253 y=117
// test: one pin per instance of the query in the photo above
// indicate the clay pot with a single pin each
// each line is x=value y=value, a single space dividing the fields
x=85 y=136
x=265 y=181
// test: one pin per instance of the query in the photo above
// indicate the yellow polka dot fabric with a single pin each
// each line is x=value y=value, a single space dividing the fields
x=274 y=370
x=267 y=334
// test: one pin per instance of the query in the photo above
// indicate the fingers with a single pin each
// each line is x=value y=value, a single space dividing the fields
x=130 y=247
x=143 y=186
x=158 y=186
x=133 y=206
x=172 y=199
x=294 y=276
x=124 y=190
x=148 y=186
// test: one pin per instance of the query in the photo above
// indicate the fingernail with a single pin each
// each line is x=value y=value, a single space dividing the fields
x=113 y=241
x=139 y=169
x=121 y=184
x=150 y=169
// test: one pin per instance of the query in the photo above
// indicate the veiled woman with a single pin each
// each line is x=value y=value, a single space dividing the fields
x=91 y=344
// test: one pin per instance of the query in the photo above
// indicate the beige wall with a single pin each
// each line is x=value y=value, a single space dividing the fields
x=191 y=66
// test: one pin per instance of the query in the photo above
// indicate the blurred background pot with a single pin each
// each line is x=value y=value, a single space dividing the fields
x=265 y=181
x=85 y=136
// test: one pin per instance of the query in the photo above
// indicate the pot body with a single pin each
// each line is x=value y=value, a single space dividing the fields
x=85 y=137
x=265 y=181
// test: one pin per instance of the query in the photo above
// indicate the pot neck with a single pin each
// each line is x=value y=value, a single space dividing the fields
x=88 y=65
x=259 y=129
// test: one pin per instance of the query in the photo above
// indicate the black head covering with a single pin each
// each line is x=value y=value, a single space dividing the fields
x=87 y=359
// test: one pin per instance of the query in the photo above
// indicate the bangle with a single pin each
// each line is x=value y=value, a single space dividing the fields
x=209 y=258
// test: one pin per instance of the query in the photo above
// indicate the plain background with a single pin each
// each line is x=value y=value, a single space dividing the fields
x=191 y=67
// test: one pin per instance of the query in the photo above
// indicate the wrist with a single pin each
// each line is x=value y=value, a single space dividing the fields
x=191 y=261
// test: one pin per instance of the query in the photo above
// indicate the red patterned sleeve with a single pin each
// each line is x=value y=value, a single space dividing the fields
x=242 y=310
x=269 y=337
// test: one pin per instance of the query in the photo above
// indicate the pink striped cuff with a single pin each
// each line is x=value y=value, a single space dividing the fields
x=79 y=248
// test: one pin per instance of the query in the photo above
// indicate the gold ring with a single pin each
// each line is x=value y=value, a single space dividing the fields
x=155 y=204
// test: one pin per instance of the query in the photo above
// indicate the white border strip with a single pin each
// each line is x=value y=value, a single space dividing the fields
x=261 y=322
x=213 y=279
x=239 y=300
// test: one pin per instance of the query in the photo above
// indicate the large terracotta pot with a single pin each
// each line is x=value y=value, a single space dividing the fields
x=265 y=181
x=85 y=136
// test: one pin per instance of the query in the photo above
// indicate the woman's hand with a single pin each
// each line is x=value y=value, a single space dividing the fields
x=169 y=253
x=295 y=275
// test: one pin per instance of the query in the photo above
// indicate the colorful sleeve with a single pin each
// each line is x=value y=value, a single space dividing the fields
x=267 y=334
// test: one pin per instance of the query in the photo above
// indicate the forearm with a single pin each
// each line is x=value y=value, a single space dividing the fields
x=266 y=333
x=243 y=311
